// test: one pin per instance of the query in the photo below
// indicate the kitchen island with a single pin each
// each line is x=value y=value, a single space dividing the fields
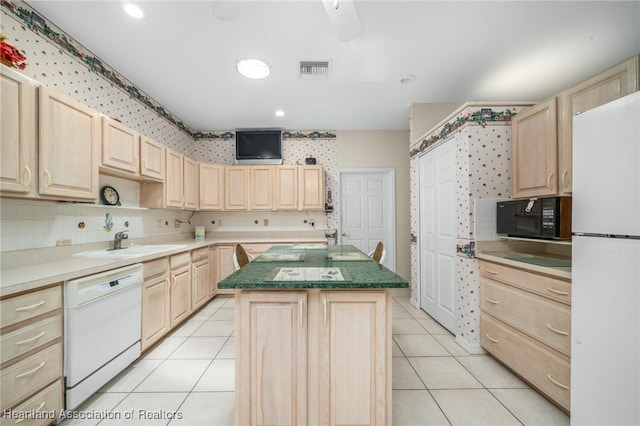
x=313 y=337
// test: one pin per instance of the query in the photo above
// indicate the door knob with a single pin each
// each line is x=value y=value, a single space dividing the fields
x=344 y=234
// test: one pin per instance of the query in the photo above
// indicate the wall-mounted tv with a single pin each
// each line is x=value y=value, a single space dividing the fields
x=259 y=147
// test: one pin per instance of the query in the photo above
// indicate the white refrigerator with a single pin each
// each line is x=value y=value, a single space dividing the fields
x=605 y=311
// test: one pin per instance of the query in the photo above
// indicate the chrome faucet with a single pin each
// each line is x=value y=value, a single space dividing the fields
x=118 y=237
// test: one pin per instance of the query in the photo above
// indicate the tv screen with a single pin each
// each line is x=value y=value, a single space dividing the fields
x=259 y=147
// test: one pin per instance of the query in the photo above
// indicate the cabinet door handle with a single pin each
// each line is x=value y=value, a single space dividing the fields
x=495 y=302
x=559 y=292
x=136 y=162
x=555 y=330
x=324 y=304
x=492 y=339
x=27 y=179
x=300 y=310
x=47 y=178
x=31 y=371
x=144 y=165
x=30 y=307
x=565 y=174
x=20 y=420
x=549 y=179
x=30 y=339
x=557 y=383
x=489 y=271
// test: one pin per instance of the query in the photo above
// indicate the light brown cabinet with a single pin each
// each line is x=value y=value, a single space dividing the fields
x=211 y=186
x=534 y=151
x=310 y=188
x=180 y=288
x=321 y=349
x=156 y=303
x=31 y=344
x=261 y=187
x=542 y=135
x=223 y=265
x=190 y=184
x=525 y=322
x=174 y=179
x=19 y=134
x=120 y=149
x=614 y=83
x=152 y=156
x=69 y=146
x=236 y=179
x=286 y=188
x=200 y=277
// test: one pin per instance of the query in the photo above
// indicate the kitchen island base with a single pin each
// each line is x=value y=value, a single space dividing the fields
x=313 y=356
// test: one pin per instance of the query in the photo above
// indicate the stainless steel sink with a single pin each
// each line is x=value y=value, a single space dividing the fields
x=132 y=251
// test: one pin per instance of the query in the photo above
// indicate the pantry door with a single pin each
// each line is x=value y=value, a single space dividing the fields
x=437 y=234
x=367 y=211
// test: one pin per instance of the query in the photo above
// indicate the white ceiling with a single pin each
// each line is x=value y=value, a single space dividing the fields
x=184 y=57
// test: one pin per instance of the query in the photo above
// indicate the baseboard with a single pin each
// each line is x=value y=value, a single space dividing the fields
x=472 y=348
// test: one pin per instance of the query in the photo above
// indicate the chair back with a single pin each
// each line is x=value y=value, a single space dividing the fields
x=378 y=252
x=241 y=256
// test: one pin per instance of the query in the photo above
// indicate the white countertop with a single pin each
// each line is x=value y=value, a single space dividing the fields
x=31 y=269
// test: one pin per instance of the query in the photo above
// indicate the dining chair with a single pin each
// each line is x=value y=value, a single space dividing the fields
x=379 y=253
x=240 y=257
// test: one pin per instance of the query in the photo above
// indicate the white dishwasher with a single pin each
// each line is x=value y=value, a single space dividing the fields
x=102 y=329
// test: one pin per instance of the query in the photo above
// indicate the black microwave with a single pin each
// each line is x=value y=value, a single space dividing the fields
x=548 y=218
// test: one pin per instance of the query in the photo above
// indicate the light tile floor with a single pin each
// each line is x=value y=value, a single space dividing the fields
x=188 y=379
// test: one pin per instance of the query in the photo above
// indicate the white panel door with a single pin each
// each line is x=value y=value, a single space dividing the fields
x=368 y=211
x=437 y=234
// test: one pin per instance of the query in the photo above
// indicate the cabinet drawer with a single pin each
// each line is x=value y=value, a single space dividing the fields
x=24 y=339
x=199 y=254
x=20 y=308
x=30 y=374
x=552 y=288
x=46 y=402
x=543 y=319
x=544 y=369
x=156 y=267
x=181 y=259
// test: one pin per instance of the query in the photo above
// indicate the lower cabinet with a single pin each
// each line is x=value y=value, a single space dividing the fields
x=304 y=356
x=31 y=360
x=180 y=288
x=156 y=304
x=224 y=265
x=200 y=277
x=525 y=322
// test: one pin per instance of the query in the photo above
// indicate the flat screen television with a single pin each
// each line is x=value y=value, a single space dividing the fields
x=259 y=147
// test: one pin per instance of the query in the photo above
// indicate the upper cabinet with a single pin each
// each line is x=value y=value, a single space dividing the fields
x=261 y=187
x=151 y=159
x=120 y=148
x=534 y=145
x=69 y=144
x=19 y=134
x=190 y=184
x=174 y=179
x=211 y=186
x=236 y=185
x=542 y=135
x=286 y=188
x=616 y=82
x=311 y=188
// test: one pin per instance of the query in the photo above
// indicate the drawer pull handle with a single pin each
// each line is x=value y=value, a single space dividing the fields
x=30 y=307
x=492 y=339
x=31 y=339
x=555 y=330
x=31 y=371
x=561 y=293
x=20 y=420
x=492 y=272
x=557 y=383
x=495 y=302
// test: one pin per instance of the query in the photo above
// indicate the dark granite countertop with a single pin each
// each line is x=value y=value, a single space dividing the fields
x=363 y=273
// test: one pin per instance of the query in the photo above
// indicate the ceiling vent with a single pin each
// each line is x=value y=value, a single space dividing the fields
x=314 y=70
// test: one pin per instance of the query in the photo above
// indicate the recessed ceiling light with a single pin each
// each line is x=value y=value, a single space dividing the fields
x=133 y=10
x=253 y=68
x=279 y=113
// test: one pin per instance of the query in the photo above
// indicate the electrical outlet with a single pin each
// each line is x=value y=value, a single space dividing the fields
x=177 y=223
x=265 y=222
